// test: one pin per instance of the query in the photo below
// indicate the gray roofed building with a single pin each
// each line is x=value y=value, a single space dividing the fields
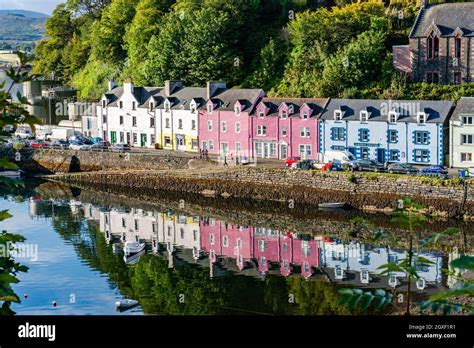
x=225 y=99
x=464 y=106
x=316 y=104
x=437 y=111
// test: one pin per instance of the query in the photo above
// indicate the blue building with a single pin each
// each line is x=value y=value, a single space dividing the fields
x=407 y=131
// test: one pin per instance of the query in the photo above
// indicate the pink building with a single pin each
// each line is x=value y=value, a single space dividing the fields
x=224 y=124
x=284 y=128
x=306 y=254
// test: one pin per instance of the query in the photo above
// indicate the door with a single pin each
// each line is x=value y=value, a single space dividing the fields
x=266 y=150
x=128 y=138
x=180 y=142
x=143 y=140
x=283 y=151
x=113 y=137
x=381 y=155
x=224 y=149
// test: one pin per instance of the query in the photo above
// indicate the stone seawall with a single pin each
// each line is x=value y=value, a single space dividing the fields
x=364 y=191
x=56 y=161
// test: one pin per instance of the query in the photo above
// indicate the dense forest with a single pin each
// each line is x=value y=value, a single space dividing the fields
x=293 y=48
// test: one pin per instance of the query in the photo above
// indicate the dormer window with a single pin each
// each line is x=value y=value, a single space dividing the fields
x=421 y=118
x=337 y=115
x=237 y=110
x=305 y=115
x=152 y=106
x=433 y=46
x=364 y=116
x=192 y=107
x=134 y=105
x=209 y=108
x=121 y=104
x=261 y=113
x=167 y=106
x=103 y=103
x=457 y=47
x=392 y=117
x=283 y=114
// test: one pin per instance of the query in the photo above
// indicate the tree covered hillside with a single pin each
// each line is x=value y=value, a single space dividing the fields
x=294 y=48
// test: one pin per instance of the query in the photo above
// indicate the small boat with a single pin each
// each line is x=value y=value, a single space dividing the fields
x=133 y=247
x=126 y=303
x=11 y=173
x=336 y=205
x=134 y=258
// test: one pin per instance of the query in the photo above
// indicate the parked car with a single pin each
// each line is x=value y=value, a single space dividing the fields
x=401 y=168
x=60 y=144
x=9 y=128
x=121 y=148
x=339 y=157
x=101 y=145
x=24 y=134
x=305 y=165
x=434 y=171
x=291 y=160
x=365 y=164
x=38 y=144
x=77 y=145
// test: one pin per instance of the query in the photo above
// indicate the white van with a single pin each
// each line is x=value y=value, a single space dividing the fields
x=341 y=157
x=62 y=134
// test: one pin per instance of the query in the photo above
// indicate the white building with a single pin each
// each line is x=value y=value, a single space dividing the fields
x=461 y=137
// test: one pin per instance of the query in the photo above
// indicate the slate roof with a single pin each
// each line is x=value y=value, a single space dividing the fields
x=316 y=104
x=225 y=99
x=464 y=106
x=437 y=111
x=447 y=17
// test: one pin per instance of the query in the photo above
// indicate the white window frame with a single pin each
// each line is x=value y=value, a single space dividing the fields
x=392 y=114
x=465 y=137
x=237 y=127
x=421 y=117
x=224 y=126
x=364 y=116
x=261 y=130
x=237 y=110
x=167 y=106
x=469 y=120
x=337 y=115
x=283 y=114
x=210 y=108
x=209 y=125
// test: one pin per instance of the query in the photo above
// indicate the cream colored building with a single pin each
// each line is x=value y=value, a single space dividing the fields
x=461 y=137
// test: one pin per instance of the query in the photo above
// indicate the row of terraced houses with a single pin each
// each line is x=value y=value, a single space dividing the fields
x=244 y=122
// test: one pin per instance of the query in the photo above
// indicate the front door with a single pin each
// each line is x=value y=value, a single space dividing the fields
x=113 y=137
x=180 y=142
x=128 y=138
x=266 y=150
x=143 y=140
x=283 y=151
x=381 y=155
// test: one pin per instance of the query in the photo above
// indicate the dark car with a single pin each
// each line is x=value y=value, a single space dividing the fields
x=305 y=165
x=60 y=144
x=365 y=164
x=121 y=148
x=101 y=145
x=434 y=171
x=401 y=168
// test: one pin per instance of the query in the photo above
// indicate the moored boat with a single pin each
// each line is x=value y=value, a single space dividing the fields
x=335 y=205
x=11 y=173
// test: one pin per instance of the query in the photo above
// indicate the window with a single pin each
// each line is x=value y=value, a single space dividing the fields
x=237 y=110
x=258 y=148
x=167 y=141
x=433 y=46
x=152 y=106
x=104 y=119
x=338 y=148
x=237 y=127
x=364 y=116
x=193 y=124
x=194 y=144
x=392 y=136
x=457 y=77
x=134 y=105
x=195 y=235
x=121 y=104
x=211 y=144
x=136 y=225
x=262 y=130
x=467 y=119
x=134 y=121
x=224 y=126
x=305 y=150
x=152 y=122
x=283 y=114
x=421 y=118
x=152 y=139
x=209 y=125
x=237 y=147
x=104 y=103
x=394 y=155
x=180 y=124
x=364 y=135
x=122 y=137
x=305 y=115
x=422 y=138
x=124 y=223
x=305 y=248
x=167 y=123
x=466 y=157
x=421 y=155
x=211 y=238
x=261 y=113
x=392 y=117
x=466 y=139
x=365 y=153
x=226 y=241
x=338 y=133
x=304 y=132
x=209 y=108
x=273 y=149
x=121 y=120
x=457 y=47
x=192 y=107
x=432 y=77
x=167 y=106
x=283 y=131
x=337 y=115
x=135 y=138
x=262 y=245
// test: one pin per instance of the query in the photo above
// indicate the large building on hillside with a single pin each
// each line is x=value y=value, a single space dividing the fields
x=442 y=44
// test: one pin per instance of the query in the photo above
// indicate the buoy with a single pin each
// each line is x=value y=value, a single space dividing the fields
x=54 y=304
x=25 y=295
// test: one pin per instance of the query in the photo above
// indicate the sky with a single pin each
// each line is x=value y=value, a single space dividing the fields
x=43 y=6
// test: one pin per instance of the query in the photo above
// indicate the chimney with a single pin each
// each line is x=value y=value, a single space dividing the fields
x=212 y=87
x=128 y=87
x=171 y=86
x=112 y=85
